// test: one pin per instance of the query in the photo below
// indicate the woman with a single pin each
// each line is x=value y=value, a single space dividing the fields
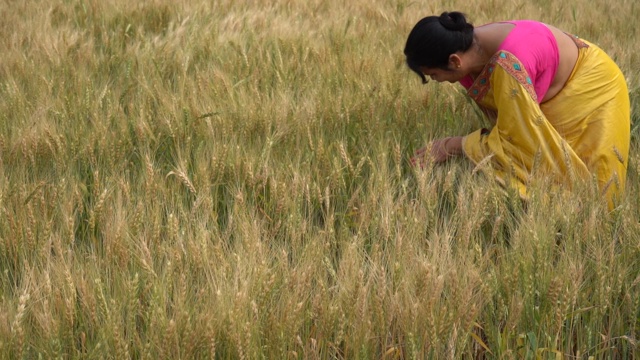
x=558 y=104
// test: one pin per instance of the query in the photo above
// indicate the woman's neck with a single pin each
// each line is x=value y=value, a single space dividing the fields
x=477 y=57
x=486 y=42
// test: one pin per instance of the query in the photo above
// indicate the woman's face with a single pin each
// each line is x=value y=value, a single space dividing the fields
x=442 y=75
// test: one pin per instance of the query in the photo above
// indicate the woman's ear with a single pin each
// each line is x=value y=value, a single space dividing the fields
x=455 y=62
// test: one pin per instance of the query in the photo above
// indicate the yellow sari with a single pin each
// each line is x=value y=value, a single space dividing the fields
x=583 y=131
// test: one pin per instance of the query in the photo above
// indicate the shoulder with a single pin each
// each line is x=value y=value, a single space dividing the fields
x=512 y=65
x=530 y=40
x=502 y=62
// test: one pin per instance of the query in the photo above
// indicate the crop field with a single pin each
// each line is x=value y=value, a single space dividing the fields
x=230 y=179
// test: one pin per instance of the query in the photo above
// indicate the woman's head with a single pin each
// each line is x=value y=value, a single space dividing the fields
x=434 y=38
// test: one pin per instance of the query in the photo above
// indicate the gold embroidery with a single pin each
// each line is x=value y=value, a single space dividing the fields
x=511 y=65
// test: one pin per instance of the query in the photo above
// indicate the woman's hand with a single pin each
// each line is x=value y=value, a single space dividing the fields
x=439 y=151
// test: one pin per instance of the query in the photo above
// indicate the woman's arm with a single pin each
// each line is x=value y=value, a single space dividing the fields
x=522 y=141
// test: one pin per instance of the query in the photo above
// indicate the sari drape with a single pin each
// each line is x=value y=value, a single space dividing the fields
x=581 y=132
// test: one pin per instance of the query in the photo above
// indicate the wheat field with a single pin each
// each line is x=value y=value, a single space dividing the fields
x=230 y=180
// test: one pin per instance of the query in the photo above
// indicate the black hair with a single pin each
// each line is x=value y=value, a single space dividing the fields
x=434 y=38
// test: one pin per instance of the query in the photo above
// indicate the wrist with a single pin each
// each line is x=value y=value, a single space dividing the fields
x=453 y=145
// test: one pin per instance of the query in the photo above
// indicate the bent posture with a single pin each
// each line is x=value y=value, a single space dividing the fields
x=558 y=104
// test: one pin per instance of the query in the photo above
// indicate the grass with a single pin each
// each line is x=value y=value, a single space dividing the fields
x=231 y=180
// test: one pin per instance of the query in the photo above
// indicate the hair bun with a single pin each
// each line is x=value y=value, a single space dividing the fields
x=454 y=21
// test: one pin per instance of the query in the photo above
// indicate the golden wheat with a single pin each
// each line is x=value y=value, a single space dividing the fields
x=231 y=180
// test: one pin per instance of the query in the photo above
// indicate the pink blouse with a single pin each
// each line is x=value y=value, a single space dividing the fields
x=533 y=43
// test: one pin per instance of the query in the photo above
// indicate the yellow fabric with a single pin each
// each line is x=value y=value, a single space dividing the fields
x=583 y=131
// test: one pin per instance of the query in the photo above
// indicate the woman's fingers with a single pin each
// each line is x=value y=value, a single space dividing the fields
x=418 y=158
x=422 y=150
x=435 y=150
x=422 y=155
